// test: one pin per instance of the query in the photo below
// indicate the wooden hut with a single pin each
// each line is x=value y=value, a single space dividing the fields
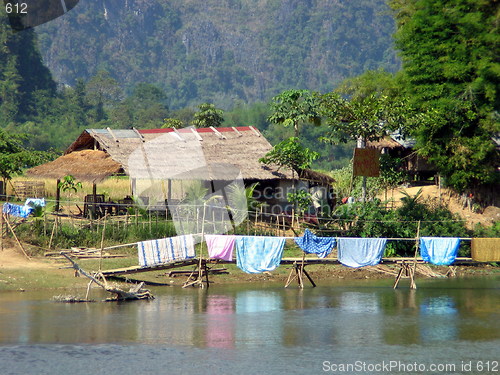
x=417 y=167
x=215 y=156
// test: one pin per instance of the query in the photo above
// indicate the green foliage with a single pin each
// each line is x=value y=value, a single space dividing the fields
x=295 y=107
x=290 y=154
x=372 y=219
x=367 y=117
x=14 y=157
x=370 y=82
x=300 y=198
x=242 y=197
x=205 y=51
x=22 y=74
x=172 y=123
x=145 y=108
x=451 y=71
x=208 y=116
x=391 y=171
x=487 y=231
x=68 y=234
x=69 y=184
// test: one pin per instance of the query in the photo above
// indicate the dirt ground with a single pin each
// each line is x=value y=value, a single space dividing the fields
x=452 y=201
x=12 y=259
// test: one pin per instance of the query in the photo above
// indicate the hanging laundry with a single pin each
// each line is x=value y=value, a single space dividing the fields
x=165 y=250
x=17 y=210
x=360 y=252
x=485 y=249
x=40 y=202
x=312 y=244
x=259 y=254
x=220 y=246
x=440 y=251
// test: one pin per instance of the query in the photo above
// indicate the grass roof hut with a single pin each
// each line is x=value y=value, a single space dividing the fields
x=212 y=155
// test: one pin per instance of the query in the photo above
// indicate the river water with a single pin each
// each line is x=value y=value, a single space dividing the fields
x=445 y=326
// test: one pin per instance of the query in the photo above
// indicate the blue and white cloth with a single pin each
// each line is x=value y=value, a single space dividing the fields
x=441 y=251
x=259 y=254
x=312 y=244
x=37 y=202
x=360 y=252
x=165 y=250
x=17 y=210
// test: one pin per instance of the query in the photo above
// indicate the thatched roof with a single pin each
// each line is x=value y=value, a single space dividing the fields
x=318 y=177
x=205 y=153
x=386 y=142
x=85 y=165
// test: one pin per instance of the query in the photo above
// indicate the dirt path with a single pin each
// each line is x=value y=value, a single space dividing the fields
x=12 y=257
x=431 y=193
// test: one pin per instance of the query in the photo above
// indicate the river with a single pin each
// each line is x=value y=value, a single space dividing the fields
x=445 y=326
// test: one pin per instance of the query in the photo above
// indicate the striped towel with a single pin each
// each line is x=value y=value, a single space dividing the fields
x=165 y=250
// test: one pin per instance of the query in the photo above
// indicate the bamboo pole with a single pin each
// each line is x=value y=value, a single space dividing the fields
x=413 y=285
x=102 y=242
x=1 y=229
x=53 y=231
x=17 y=239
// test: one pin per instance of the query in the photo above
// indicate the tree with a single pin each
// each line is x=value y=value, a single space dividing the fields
x=290 y=154
x=364 y=118
x=294 y=107
x=144 y=108
x=451 y=68
x=368 y=118
x=172 y=123
x=370 y=82
x=208 y=115
x=14 y=157
x=22 y=74
x=103 y=88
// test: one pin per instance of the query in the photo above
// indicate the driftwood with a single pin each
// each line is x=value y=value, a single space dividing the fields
x=134 y=293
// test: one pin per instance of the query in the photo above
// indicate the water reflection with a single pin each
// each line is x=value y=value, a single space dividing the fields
x=242 y=318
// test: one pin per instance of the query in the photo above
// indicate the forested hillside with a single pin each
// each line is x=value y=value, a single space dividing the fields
x=220 y=51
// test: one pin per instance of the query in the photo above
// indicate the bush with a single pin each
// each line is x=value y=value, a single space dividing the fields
x=372 y=219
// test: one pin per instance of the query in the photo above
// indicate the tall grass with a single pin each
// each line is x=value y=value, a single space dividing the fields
x=113 y=188
x=67 y=234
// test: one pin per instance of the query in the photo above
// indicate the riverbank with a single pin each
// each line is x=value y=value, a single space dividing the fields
x=17 y=273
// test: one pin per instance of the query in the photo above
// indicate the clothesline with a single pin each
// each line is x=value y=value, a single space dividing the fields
x=285 y=237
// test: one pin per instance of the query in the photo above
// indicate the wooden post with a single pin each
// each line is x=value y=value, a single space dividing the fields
x=94 y=204
x=58 y=195
x=54 y=227
x=17 y=239
x=1 y=229
x=102 y=242
x=255 y=224
x=413 y=285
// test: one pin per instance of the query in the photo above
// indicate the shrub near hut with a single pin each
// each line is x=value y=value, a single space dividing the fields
x=373 y=219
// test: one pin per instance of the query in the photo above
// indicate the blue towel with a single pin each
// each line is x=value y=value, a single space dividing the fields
x=17 y=210
x=440 y=251
x=311 y=244
x=259 y=254
x=360 y=252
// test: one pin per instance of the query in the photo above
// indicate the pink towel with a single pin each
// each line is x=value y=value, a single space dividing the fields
x=220 y=246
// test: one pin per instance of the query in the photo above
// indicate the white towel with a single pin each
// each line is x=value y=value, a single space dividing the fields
x=165 y=250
